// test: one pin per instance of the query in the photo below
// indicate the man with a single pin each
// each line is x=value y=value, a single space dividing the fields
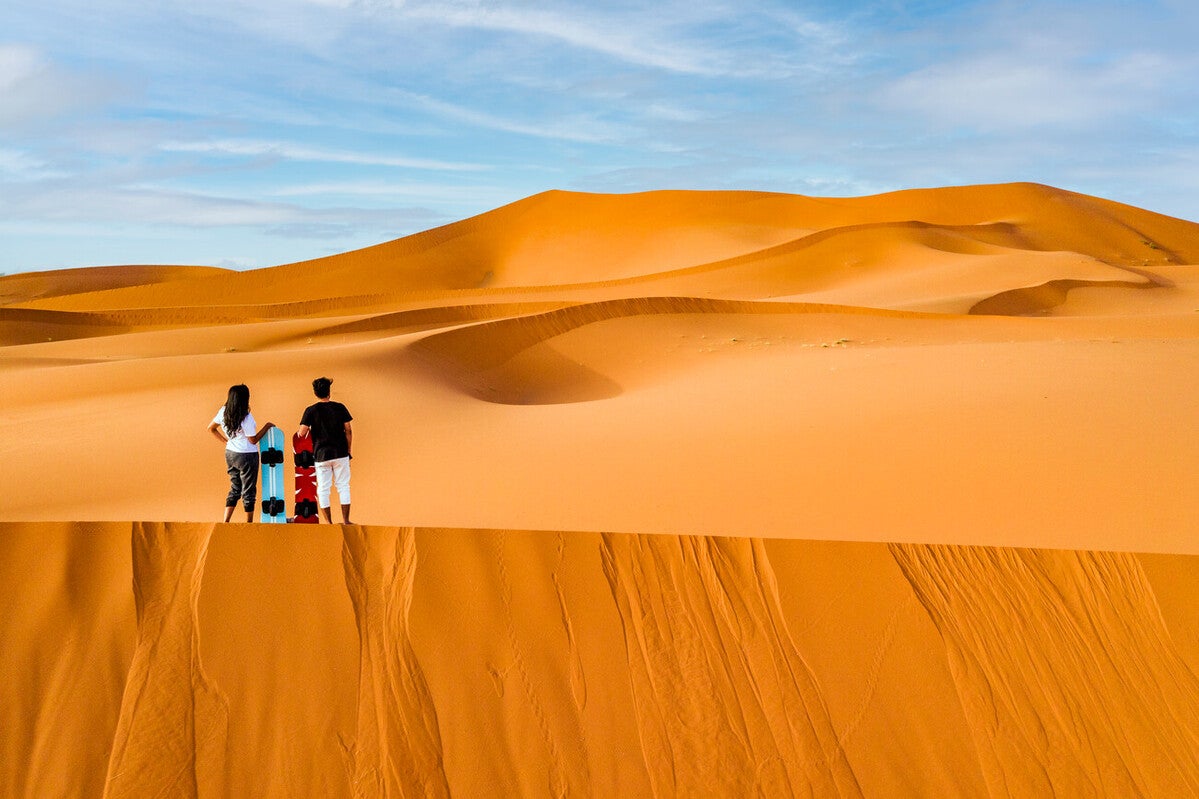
x=328 y=423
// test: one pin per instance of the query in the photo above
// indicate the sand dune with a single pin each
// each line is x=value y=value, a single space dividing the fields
x=676 y=493
x=67 y=282
x=559 y=239
x=236 y=660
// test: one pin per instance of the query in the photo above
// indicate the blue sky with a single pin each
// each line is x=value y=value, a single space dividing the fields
x=246 y=134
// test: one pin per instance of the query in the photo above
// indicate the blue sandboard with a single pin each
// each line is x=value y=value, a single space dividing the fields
x=270 y=450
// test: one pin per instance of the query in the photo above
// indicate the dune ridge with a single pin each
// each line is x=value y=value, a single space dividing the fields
x=61 y=282
x=555 y=240
x=1062 y=665
x=508 y=360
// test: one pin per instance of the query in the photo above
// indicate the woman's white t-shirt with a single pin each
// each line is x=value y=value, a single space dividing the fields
x=240 y=440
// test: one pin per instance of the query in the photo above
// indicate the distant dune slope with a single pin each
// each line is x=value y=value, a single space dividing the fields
x=368 y=661
x=25 y=287
x=560 y=239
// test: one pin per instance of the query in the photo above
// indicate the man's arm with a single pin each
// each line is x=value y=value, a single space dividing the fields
x=349 y=439
x=306 y=420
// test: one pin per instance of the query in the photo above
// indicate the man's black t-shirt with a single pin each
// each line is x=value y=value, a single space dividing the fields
x=328 y=423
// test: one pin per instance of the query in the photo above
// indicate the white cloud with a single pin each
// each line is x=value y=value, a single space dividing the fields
x=582 y=128
x=20 y=164
x=421 y=192
x=17 y=63
x=707 y=39
x=147 y=207
x=670 y=112
x=668 y=36
x=589 y=32
x=32 y=89
x=308 y=117
x=299 y=152
x=1019 y=90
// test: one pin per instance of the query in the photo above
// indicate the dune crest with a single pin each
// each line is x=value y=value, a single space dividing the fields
x=513 y=360
x=558 y=240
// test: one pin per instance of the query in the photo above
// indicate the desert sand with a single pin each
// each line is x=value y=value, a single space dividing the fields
x=667 y=494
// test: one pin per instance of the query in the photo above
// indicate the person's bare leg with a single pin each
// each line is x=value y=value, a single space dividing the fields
x=228 y=512
x=249 y=516
x=345 y=514
x=327 y=514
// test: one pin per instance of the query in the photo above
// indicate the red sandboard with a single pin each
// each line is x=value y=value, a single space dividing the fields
x=305 y=480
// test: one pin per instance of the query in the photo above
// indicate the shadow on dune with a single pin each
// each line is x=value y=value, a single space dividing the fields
x=1042 y=299
x=513 y=361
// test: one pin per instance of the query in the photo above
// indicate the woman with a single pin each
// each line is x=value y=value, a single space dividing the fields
x=234 y=426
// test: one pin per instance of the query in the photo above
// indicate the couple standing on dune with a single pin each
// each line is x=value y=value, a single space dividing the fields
x=328 y=423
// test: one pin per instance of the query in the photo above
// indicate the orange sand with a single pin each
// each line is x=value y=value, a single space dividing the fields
x=991 y=389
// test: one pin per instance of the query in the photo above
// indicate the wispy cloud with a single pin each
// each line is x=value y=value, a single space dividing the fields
x=1056 y=67
x=703 y=40
x=149 y=205
x=387 y=190
x=20 y=165
x=17 y=63
x=1020 y=90
x=33 y=90
x=580 y=127
x=299 y=152
x=578 y=27
x=226 y=129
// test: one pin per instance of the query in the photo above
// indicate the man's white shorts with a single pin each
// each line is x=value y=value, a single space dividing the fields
x=329 y=473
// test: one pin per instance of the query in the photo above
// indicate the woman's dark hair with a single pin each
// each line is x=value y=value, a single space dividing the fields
x=237 y=407
x=320 y=387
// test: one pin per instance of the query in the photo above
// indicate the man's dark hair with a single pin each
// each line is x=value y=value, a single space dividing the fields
x=320 y=387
